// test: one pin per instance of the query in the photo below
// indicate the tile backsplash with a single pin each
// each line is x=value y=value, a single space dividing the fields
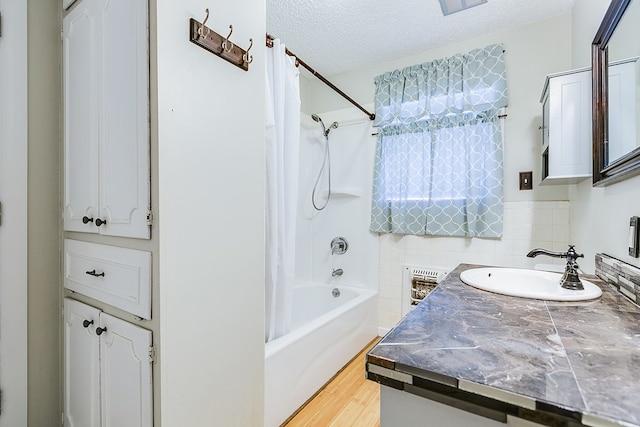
x=527 y=225
x=625 y=277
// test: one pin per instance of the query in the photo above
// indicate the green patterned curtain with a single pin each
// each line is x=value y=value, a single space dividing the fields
x=438 y=164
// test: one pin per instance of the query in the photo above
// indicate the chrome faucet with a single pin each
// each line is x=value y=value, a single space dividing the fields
x=337 y=272
x=570 y=279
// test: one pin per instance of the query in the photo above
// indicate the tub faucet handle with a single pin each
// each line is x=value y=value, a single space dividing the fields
x=337 y=272
x=339 y=245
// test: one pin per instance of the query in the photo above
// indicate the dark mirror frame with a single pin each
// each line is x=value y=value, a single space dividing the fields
x=628 y=165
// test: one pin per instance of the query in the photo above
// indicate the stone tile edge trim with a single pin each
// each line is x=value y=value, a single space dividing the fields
x=476 y=400
x=625 y=277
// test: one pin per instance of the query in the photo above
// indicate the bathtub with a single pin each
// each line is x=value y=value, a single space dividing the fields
x=326 y=333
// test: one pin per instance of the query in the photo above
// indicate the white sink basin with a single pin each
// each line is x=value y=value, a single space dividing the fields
x=527 y=283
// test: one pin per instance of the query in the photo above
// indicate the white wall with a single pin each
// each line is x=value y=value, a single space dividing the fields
x=600 y=215
x=44 y=74
x=528 y=225
x=532 y=52
x=586 y=17
x=536 y=218
x=13 y=232
x=211 y=218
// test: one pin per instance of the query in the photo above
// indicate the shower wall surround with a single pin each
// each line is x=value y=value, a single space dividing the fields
x=347 y=214
x=527 y=225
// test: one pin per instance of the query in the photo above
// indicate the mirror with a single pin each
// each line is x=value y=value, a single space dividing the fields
x=616 y=95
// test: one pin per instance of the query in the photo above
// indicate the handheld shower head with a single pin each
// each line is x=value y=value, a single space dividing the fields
x=325 y=131
x=333 y=125
x=317 y=119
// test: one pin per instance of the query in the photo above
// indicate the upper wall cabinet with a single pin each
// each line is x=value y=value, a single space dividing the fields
x=106 y=118
x=566 y=127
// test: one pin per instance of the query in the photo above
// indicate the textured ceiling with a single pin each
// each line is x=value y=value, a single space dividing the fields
x=335 y=36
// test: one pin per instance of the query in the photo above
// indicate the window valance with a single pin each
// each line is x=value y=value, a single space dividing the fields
x=475 y=81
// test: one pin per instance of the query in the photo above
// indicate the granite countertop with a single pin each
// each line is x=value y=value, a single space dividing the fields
x=553 y=363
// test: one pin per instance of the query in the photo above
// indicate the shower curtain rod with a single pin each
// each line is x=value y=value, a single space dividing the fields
x=299 y=61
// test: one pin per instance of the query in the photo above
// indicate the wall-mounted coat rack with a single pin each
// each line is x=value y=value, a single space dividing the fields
x=208 y=39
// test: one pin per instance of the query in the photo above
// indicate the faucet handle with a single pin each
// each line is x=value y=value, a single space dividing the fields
x=339 y=245
x=572 y=254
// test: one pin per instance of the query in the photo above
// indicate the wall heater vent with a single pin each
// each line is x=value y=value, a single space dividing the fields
x=418 y=282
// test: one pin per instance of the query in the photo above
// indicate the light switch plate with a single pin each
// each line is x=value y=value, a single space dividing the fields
x=526 y=180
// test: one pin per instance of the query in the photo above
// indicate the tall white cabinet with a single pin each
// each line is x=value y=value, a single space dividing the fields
x=107 y=361
x=107 y=370
x=106 y=118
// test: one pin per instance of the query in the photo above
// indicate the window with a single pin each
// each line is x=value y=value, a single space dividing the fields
x=439 y=157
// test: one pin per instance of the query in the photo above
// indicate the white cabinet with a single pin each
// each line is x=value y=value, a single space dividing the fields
x=567 y=120
x=107 y=370
x=566 y=127
x=106 y=118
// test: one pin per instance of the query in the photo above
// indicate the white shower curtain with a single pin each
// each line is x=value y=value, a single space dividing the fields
x=282 y=141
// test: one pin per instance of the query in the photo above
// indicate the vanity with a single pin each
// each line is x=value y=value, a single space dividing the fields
x=466 y=357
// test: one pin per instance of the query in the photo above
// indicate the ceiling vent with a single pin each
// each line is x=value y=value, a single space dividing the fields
x=453 y=6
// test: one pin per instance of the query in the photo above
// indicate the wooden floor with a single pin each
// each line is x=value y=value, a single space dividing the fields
x=348 y=400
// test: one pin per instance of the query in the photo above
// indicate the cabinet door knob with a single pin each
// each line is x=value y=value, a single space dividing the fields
x=100 y=222
x=94 y=274
x=86 y=323
x=86 y=219
x=100 y=330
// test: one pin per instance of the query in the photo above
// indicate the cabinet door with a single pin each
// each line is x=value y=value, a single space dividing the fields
x=66 y=4
x=126 y=387
x=81 y=365
x=124 y=117
x=570 y=154
x=80 y=118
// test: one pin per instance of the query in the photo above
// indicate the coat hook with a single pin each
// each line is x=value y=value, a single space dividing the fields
x=227 y=43
x=246 y=58
x=201 y=29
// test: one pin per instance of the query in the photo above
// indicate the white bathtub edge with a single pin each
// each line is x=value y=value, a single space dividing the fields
x=273 y=347
x=298 y=364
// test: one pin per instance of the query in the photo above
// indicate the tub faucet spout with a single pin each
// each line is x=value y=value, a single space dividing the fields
x=570 y=278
